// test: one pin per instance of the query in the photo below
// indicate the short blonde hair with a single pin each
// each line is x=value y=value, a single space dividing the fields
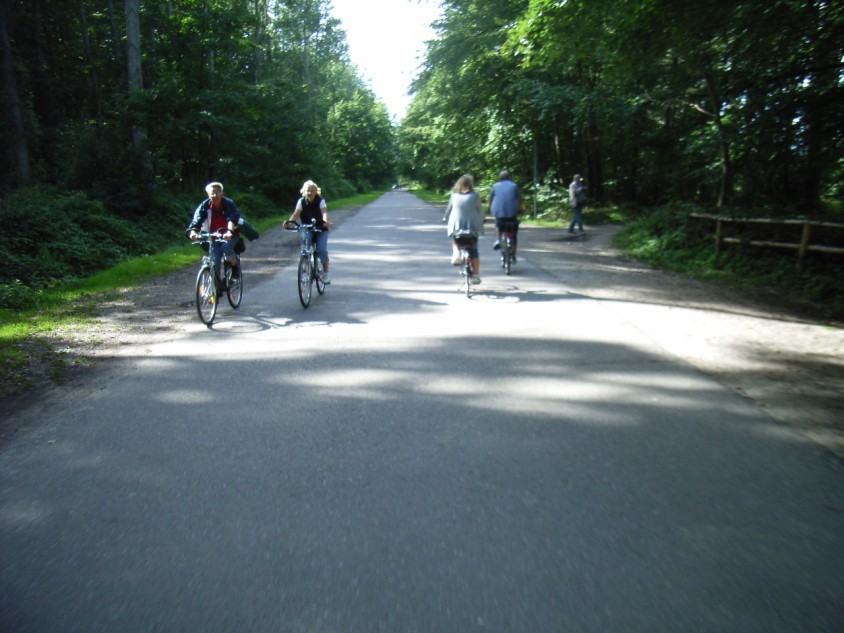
x=310 y=183
x=211 y=185
x=464 y=184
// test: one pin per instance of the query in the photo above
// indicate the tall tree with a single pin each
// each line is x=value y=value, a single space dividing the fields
x=14 y=111
x=133 y=60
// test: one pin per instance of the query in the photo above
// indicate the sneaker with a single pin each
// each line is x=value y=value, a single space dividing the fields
x=475 y=280
x=496 y=246
x=325 y=278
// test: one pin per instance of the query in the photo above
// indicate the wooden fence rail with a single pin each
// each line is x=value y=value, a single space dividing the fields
x=803 y=247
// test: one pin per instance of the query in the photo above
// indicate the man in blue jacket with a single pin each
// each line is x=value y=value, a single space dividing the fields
x=505 y=202
x=217 y=213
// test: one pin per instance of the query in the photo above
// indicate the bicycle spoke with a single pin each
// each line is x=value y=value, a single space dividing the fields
x=305 y=280
x=206 y=296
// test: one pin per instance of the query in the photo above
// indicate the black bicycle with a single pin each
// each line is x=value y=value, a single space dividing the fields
x=465 y=241
x=508 y=237
x=310 y=266
x=208 y=291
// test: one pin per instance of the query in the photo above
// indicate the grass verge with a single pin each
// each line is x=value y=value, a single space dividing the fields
x=33 y=335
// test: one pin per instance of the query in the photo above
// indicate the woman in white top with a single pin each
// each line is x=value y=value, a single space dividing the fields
x=464 y=215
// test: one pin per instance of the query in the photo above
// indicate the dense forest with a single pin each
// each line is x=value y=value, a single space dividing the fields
x=116 y=114
x=720 y=103
x=122 y=99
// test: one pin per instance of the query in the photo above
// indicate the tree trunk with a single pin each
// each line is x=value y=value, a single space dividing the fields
x=558 y=153
x=133 y=45
x=20 y=148
x=112 y=25
x=133 y=59
x=258 y=39
x=94 y=80
x=715 y=104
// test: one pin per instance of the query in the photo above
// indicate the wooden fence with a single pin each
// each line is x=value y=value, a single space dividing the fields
x=803 y=247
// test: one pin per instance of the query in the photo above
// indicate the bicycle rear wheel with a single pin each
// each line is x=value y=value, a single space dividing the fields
x=507 y=255
x=306 y=279
x=234 y=285
x=206 y=295
x=467 y=272
x=318 y=270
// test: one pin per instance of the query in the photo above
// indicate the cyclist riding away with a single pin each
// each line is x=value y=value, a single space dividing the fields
x=311 y=207
x=505 y=202
x=217 y=214
x=464 y=215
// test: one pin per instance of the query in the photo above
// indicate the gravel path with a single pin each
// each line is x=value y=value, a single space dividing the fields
x=790 y=366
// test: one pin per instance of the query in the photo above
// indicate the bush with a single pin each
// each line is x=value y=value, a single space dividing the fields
x=256 y=206
x=61 y=235
x=669 y=238
x=16 y=296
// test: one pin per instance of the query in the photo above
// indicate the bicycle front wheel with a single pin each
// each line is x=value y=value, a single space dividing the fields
x=234 y=285
x=206 y=295
x=320 y=284
x=306 y=277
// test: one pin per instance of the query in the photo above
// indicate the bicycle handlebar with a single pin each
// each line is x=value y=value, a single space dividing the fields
x=302 y=227
x=204 y=236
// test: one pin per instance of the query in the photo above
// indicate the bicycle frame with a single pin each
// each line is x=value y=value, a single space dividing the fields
x=310 y=266
x=464 y=243
x=208 y=293
x=507 y=236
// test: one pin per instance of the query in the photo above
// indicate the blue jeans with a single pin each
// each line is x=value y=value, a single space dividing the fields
x=321 y=241
x=220 y=249
x=470 y=243
x=577 y=218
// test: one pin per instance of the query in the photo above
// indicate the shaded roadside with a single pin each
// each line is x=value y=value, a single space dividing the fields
x=141 y=316
x=791 y=366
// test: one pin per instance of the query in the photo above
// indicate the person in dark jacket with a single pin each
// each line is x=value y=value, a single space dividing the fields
x=311 y=206
x=505 y=203
x=217 y=214
x=577 y=198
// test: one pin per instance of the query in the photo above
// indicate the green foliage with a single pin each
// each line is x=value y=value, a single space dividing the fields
x=260 y=96
x=59 y=235
x=669 y=238
x=715 y=104
x=17 y=296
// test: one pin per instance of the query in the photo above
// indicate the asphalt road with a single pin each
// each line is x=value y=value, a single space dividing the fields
x=398 y=457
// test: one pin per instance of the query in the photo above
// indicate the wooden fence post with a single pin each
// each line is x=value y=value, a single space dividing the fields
x=718 y=236
x=804 y=246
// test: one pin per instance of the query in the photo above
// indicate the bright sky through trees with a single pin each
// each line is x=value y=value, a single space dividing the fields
x=386 y=42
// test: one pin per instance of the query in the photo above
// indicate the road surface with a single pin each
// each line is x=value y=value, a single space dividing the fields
x=398 y=457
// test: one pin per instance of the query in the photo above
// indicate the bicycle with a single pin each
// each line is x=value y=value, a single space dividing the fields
x=508 y=236
x=310 y=266
x=207 y=291
x=465 y=241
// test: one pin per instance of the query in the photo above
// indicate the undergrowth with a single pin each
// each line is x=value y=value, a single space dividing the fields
x=670 y=239
x=82 y=270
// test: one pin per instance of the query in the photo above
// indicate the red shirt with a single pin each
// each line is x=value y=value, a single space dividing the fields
x=218 y=220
